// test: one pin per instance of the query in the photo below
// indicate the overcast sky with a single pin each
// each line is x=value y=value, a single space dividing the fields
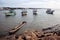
x=30 y=3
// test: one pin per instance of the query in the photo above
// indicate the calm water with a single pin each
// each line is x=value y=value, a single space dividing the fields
x=42 y=20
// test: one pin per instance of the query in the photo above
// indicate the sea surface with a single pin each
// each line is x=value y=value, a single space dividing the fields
x=34 y=22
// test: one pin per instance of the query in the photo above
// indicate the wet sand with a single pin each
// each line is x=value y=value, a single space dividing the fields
x=39 y=21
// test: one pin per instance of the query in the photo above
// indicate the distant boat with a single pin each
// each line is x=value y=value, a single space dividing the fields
x=10 y=13
x=24 y=13
x=34 y=11
x=49 y=11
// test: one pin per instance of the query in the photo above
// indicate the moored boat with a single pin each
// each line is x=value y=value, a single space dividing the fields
x=49 y=11
x=10 y=13
x=12 y=31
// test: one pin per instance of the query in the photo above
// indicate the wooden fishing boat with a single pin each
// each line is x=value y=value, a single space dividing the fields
x=12 y=31
x=34 y=11
x=24 y=13
x=10 y=13
x=49 y=11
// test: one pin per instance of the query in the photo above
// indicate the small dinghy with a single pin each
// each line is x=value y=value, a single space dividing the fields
x=24 y=13
x=12 y=31
x=10 y=13
x=35 y=12
x=49 y=11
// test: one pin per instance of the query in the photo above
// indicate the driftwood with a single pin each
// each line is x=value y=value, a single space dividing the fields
x=12 y=31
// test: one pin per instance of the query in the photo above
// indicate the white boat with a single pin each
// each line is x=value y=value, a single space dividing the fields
x=34 y=11
x=10 y=13
x=24 y=13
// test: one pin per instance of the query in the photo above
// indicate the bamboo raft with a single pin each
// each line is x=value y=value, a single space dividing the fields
x=12 y=31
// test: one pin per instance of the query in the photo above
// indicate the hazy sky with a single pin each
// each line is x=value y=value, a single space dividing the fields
x=30 y=3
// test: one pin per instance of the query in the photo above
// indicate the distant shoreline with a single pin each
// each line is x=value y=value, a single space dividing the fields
x=7 y=8
x=13 y=8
